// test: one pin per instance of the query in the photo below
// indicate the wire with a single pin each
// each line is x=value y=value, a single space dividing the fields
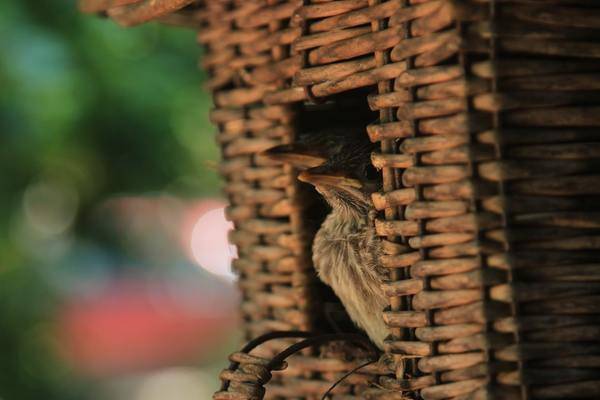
x=343 y=378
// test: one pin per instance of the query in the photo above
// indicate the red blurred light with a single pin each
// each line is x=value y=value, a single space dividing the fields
x=134 y=326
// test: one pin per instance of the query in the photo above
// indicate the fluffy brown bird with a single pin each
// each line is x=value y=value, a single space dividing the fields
x=346 y=251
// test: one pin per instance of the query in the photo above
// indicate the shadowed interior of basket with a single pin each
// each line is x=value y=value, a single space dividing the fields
x=347 y=112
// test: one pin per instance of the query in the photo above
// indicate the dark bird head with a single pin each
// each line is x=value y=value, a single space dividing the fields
x=347 y=179
x=314 y=148
x=298 y=155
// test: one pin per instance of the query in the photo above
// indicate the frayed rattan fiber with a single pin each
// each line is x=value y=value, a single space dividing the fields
x=489 y=125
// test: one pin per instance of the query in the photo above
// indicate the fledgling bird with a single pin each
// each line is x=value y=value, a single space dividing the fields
x=314 y=148
x=346 y=251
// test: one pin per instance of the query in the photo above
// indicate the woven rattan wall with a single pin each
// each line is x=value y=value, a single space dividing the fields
x=490 y=157
x=248 y=57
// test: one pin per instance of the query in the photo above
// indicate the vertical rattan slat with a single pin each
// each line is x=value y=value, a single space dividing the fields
x=274 y=274
x=447 y=318
x=272 y=263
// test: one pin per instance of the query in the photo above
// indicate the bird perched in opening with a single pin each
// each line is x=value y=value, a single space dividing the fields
x=346 y=250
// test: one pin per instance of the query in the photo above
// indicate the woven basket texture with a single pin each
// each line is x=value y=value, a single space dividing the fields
x=488 y=117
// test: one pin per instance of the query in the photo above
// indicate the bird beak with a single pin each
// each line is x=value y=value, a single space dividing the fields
x=296 y=155
x=321 y=177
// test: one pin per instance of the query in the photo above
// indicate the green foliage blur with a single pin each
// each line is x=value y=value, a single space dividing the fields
x=98 y=109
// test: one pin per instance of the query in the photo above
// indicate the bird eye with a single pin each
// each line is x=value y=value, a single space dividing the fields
x=371 y=173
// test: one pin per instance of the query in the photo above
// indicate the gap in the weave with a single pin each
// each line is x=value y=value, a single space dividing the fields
x=350 y=111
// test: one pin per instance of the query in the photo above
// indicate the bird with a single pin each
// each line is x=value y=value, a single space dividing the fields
x=314 y=147
x=311 y=148
x=346 y=250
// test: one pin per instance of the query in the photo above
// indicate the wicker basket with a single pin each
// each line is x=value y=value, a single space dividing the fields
x=489 y=125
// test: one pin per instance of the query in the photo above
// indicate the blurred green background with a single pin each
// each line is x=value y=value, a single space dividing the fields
x=93 y=115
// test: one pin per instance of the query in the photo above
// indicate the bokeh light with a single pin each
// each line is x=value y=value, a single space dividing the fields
x=136 y=324
x=175 y=383
x=50 y=206
x=209 y=243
